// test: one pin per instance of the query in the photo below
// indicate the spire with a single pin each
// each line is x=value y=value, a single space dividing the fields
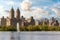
x=12 y=9
x=18 y=11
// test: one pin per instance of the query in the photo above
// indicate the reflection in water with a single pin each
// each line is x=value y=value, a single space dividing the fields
x=16 y=36
x=30 y=35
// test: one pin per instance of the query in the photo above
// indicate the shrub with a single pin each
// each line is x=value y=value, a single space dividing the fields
x=37 y=28
x=44 y=28
x=29 y=28
x=22 y=28
x=7 y=28
x=11 y=28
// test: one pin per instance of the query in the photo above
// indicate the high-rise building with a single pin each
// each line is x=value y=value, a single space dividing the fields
x=11 y=20
x=17 y=14
x=31 y=21
x=11 y=14
x=3 y=21
x=52 y=20
x=56 y=23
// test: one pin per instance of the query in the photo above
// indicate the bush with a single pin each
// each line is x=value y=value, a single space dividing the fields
x=40 y=28
x=44 y=28
x=31 y=28
x=22 y=28
x=11 y=28
x=8 y=28
x=51 y=28
x=37 y=28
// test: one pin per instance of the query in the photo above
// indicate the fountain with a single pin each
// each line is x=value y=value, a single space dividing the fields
x=16 y=35
x=18 y=30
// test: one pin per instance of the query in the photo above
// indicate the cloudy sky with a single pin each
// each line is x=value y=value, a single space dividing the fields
x=35 y=8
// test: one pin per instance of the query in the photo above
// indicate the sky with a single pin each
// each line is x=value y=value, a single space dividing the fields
x=36 y=8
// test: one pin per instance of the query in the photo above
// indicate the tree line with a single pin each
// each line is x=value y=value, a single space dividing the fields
x=31 y=28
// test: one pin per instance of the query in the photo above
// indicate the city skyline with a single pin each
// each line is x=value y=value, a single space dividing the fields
x=35 y=8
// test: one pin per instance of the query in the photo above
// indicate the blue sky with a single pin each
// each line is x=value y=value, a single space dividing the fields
x=35 y=8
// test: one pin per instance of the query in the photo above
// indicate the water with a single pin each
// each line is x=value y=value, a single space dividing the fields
x=40 y=36
x=30 y=36
x=5 y=36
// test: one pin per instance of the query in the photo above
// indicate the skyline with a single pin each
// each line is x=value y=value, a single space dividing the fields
x=35 y=8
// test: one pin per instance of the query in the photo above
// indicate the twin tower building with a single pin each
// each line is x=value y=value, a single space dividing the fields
x=12 y=20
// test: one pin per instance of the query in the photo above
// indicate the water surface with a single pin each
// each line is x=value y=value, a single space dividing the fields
x=29 y=35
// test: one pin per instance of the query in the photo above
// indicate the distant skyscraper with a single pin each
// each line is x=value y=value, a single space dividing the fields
x=45 y=21
x=11 y=14
x=18 y=14
x=51 y=23
x=31 y=21
x=36 y=22
x=11 y=20
x=56 y=23
x=3 y=21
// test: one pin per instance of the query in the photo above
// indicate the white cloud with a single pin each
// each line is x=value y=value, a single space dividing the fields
x=10 y=3
x=40 y=11
x=26 y=5
x=56 y=10
x=2 y=13
x=36 y=13
x=1 y=8
x=39 y=17
x=26 y=0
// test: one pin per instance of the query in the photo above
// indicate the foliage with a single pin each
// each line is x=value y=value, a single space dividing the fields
x=7 y=28
x=44 y=28
x=31 y=28
x=40 y=28
x=23 y=28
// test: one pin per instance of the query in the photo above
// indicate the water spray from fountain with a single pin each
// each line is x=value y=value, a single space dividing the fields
x=18 y=27
x=18 y=33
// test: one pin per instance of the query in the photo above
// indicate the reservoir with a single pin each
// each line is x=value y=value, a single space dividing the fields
x=48 y=35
